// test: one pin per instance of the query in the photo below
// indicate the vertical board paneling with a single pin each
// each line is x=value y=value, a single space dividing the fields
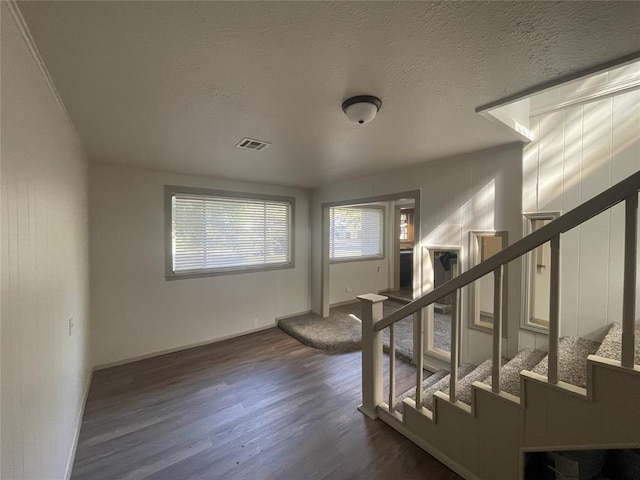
x=569 y=278
x=44 y=279
x=530 y=169
x=625 y=160
x=594 y=234
x=479 y=191
x=550 y=161
x=594 y=272
x=572 y=160
x=600 y=146
x=596 y=148
x=526 y=339
x=625 y=138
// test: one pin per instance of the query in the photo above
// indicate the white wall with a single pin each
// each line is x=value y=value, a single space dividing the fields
x=480 y=191
x=347 y=280
x=44 y=271
x=579 y=152
x=135 y=311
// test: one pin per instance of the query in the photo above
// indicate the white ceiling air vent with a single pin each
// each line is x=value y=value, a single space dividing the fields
x=252 y=144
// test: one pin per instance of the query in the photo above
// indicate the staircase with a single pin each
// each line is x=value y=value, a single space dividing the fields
x=483 y=420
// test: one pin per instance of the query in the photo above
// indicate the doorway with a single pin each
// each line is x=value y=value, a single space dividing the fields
x=391 y=239
x=402 y=287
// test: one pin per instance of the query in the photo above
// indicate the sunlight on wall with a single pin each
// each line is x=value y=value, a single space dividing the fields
x=551 y=145
x=578 y=152
x=476 y=213
x=596 y=140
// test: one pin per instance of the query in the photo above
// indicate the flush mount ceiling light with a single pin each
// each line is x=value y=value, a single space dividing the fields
x=361 y=109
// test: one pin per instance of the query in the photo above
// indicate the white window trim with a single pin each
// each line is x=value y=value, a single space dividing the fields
x=474 y=321
x=171 y=190
x=527 y=269
x=366 y=258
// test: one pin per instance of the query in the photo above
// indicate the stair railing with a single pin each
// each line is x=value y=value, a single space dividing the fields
x=373 y=322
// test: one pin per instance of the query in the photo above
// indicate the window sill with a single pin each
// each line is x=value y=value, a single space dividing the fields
x=356 y=259
x=230 y=271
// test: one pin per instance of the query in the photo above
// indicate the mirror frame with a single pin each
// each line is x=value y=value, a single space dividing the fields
x=474 y=321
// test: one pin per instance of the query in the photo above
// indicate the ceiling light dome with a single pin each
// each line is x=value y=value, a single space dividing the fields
x=361 y=109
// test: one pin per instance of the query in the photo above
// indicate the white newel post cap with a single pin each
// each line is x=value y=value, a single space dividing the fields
x=372 y=298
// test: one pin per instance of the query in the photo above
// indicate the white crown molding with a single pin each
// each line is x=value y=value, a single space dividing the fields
x=598 y=92
x=28 y=39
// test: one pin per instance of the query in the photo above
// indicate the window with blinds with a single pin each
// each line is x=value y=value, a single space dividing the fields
x=215 y=233
x=355 y=233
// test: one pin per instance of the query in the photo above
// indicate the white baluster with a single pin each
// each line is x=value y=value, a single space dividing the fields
x=419 y=357
x=392 y=369
x=554 y=310
x=630 y=278
x=455 y=346
x=497 y=329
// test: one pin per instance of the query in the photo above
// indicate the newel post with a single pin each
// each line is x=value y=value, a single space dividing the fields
x=371 y=306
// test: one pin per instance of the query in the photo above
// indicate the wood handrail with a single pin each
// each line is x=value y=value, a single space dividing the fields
x=598 y=204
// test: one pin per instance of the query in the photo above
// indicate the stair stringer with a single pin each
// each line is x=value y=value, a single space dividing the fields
x=488 y=439
x=561 y=416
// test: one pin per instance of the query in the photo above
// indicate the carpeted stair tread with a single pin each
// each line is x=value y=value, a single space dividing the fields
x=611 y=346
x=464 y=384
x=443 y=385
x=572 y=360
x=432 y=379
x=526 y=359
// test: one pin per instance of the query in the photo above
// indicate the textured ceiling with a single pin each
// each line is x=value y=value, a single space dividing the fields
x=175 y=85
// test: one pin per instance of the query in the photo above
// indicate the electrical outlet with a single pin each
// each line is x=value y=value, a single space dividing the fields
x=348 y=289
x=71 y=325
x=255 y=323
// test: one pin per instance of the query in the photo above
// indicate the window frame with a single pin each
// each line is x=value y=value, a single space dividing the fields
x=528 y=270
x=366 y=258
x=171 y=190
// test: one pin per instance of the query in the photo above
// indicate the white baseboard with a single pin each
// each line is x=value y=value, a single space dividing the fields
x=76 y=435
x=292 y=315
x=180 y=348
x=346 y=302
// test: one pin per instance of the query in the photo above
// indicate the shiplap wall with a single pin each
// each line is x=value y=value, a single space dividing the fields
x=44 y=259
x=479 y=191
x=579 y=152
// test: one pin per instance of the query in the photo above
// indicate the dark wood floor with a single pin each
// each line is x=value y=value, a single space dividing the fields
x=262 y=406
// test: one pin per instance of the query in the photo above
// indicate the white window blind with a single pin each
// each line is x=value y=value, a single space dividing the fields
x=355 y=232
x=217 y=233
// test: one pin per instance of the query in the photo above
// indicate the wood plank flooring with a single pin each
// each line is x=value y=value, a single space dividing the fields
x=261 y=406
